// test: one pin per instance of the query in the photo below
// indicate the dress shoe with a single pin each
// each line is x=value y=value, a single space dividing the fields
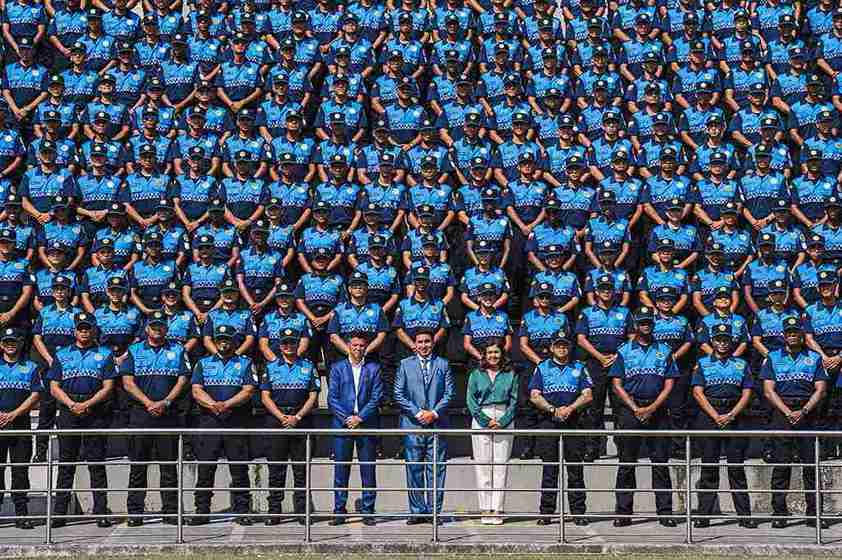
x=135 y=522
x=702 y=523
x=244 y=521
x=545 y=521
x=668 y=522
x=416 y=521
x=58 y=523
x=338 y=519
x=581 y=521
x=303 y=521
x=40 y=457
x=104 y=523
x=527 y=454
x=272 y=521
x=812 y=523
x=170 y=521
x=748 y=523
x=623 y=522
x=779 y=524
x=198 y=520
x=25 y=524
x=369 y=521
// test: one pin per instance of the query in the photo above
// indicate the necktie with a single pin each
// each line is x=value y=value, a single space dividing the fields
x=425 y=370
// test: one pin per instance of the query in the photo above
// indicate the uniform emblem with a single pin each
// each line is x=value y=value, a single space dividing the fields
x=619 y=316
x=809 y=361
x=98 y=357
x=171 y=355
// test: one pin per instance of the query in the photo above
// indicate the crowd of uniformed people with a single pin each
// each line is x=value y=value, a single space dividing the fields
x=209 y=206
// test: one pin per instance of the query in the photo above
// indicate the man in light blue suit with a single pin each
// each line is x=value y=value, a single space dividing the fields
x=423 y=391
x=354 y=394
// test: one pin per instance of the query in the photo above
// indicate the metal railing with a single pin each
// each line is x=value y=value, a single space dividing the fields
x=309 y=514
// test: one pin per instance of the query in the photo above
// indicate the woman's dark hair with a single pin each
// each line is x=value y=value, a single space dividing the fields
x=505 y=362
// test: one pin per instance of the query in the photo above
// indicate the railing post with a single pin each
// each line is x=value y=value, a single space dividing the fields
x=436 y=487
x=307 y=485
x=48 y=537
x=818 y=490
x=688 y=496
x=180 y=520
x=562 y=530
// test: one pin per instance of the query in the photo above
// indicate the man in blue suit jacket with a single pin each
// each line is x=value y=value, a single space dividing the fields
x=354 y=393
x=423 y=391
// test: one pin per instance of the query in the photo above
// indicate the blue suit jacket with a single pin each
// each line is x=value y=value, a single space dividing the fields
x=413 y=396
x=340 y=396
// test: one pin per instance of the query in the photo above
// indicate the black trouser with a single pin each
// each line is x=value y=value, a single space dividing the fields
x=18 y=449
x=792 y=450
x=595 y=414
x=678 y=404
x=629 y=452
x=735 y=451
x=210 y=448
x=46 y=420
x=573 y=449
x=282 y=447
x=145 y=448
x=69 y=448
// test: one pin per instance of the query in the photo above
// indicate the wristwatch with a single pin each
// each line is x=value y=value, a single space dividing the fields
x=167 y=403
x=298 y=417
x=552 y=410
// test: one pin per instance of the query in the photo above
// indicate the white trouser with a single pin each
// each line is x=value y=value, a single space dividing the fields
x=490 y=448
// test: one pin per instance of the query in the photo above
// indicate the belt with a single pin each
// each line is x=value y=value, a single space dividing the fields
x=288 y=409
x=795 y=402
x=79 y=397
x=723 y=402
x=645 y=402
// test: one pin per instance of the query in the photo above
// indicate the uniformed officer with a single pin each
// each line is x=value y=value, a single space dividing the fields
x=600 y=330
x=794 y=382
x=722 y=387
x=560 y=389
x=223 y=385
x=358 y=316
x=643 y=375
x=21 y=388
x=288 y=391
x=82 y=380
x=16 y=282
x=229 y=312
x=155 y=372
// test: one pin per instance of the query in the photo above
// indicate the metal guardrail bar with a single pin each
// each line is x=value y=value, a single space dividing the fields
x=688 y=464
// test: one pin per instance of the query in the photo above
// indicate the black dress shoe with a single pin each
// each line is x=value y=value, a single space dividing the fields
x=338 y=519
x=244 y=521
x=748 y=523
x=668 y=522
x=104 y=523
x=812 y=523
x=135 y=522
x=198 y=520
x=702 y=523
x=369 y=521
x=581 y=521
x=25 y=524
x=416 y=521
x=623 y=522
x=779 y=524
x=170 y=521
x=303 y=521
x=58 y=523
x=40 y=457
x=527 y=454
x=545 y=521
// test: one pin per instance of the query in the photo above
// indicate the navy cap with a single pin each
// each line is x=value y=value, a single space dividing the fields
x=12 y=200
x=814 y=154
x=605 y=281
x=786 y=20
x=147 y=150
x=762 y=151
x=666 y=243
x=322 y=253
x=84 y=319
x=721 y=330
x=153 y=238
x=229 y=285
x=118 y=282
x=644 y=314
x=526 y=157
x=489 y=194
x=722 y=292
x=815 y=80
x=574 y=160
x=484 y=246
x=52 y=116
x=284 y=289
x=429 y=240
x=792 y=324
x=56 y=246
x=827 y=277
x=61 y=281
x=610 y=115
x=668 y=152
x=7 y=234
x=833 y=202
x=158 y=318
x=478 y=162
x=608 y=246
x=778 y=286
x=714 y=248
x=321 y=206
x=104 y=243
x=620 y=154
x=554 y=250
x=171 y=287
x=666 y=292
x=60 y=201
x=117 y=208
x=205 y=241
x=377 y=242
x=730 y=207
x=661 y=118
x=780 y=205
x=224 y=331
x=48 y=146
x=216 y=205
x=766 y=239
x=487 y=288
x=429 y=161
x=358 y=278
x=815 y=240
x=11 y=333
x=607 y=197
x=421 y=273
x=719 y=157
x=288 y=335
x=544 y=289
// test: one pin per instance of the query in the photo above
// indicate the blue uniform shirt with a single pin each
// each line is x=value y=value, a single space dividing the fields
x=82 y=371
x=560 y=385
x=644 y=369
x=18 y=380
x=155 y=370
x=722 y=379
x=794 y=375
x=222 y=379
